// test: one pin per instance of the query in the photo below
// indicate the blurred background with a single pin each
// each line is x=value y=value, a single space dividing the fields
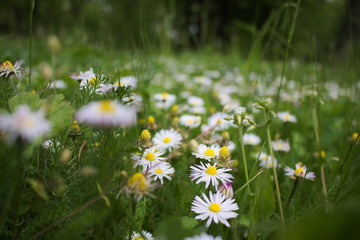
x=247 y=27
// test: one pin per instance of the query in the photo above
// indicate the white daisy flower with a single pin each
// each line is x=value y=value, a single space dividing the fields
x=104 y=88
x=25 y=124
x=251 y=139
x=138 y=236
x=299 y=172
x=107 y=113
x=202 y=80
x=203 y=236
x=7 y=69
x=167 y=139
x=210 y=174
x=129 y=81
x=195 y=101
x=161 y=170
x=286 y=117
x=266 y=161
x=190 y=121
x=150 y=158
x=218 y=120
x=164 y=100
x=85 y=76
x=134 y=100
x=207 y=153
x=215 y=208
x=197 y=110
x=280 y=145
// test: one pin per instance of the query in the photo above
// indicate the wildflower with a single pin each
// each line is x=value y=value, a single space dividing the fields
x=128 y=81
x=149 y=158
x=210 y=174
x=203 y=80
x=25 y=124
x=164 y=100
x=226 y=189
x=145 y=139
x=266 y=161
x=218 y=120
x=107 y=113
x=240 y=111
x=215 y=208
x=195 y=101
x=138 y=236
x=354 y=138
x=190 y=121
x=7 y=69
x=104 y=88
x=280 y=145
x=224 y=153
x=207 y=153
x=286 y=117
x=161 y=171
x=167 y=139
x=138 y=184
x=203 y=236
x=151 y=122
x=85 y=76
x=251 y=139
x=299 y=172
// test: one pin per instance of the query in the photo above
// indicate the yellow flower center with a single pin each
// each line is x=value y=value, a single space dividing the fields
x=164 y=95
x=211 y=170
x=189 y=121
x=287 y=117
x=299 y=171
x=7 y=65
x=224 y=152
x=158 y=171
x=138 y=182
x=209 y=152
x=92 y=81
x=150 y=156
x=214 y=207
x=354 y=136
x=139 y=238
x=167 y=140
x=107 y=107
x=219 y=121
x=29 y=123
x=151 y=120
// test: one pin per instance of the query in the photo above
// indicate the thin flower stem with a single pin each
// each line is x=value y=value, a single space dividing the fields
x=244 y=158
x=32 y=6
x=292 y=193
x=274 y=168
x=247 y=183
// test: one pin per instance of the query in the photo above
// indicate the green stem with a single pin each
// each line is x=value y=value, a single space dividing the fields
x=32 y=6
x=274 y=168
x=292 y=193
x=244 y=158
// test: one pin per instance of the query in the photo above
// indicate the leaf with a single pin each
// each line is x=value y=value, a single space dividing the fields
x=30 y=99
x=189 y=222
x=264 y=197
x=60 y=112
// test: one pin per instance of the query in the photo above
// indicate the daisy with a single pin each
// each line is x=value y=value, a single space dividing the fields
x=215 y=208
x=207 y=153
x=190 y=121
x=138 y=184
x=104 y=88
x=251 y=139
x=286 y=117
x=280 y=145
x=218 y=120
x=167 y=139
x=129 y=81
x=299 y=172
x=203 y=236
x=85 y=76
x=161 y=170
x=138 y=236
x=197 y=110
x=107 y=113
x=202 y=80
x=226 y=189
x=195 y=101
x=164 y=100
x=266 y=161
x=151 y=157
x=210 y=174
x=25 y=124
x=7 y=69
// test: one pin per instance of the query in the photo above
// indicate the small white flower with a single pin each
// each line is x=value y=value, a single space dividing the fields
x=218 y=120
x=266 y=161
x=240 y=110
x=129 y=81
x=216 y=208
x=203 y=236
x=138 y=236
x=150 y=158
x=161 y=170
x=210 y=174
x=85 y=76
x=197 y=110
x=280 y=145
x=25 y=124
x=251 y=139
x=202 y=80
x=164 y=100
x=299 y=172
x=167 y=139
x=190 y=121
x=7 y=69
x=195 y=101
x=104 y=88
x=286 y=117
x=207 y=153
x=107 y=113
x=226 y=189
